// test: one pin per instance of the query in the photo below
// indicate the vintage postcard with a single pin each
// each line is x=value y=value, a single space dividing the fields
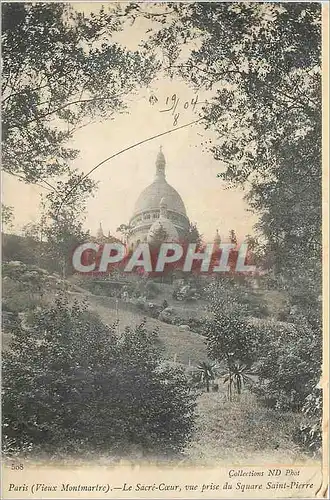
x=165 y=250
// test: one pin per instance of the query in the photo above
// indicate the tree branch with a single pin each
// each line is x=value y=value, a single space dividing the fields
x=78 y=101
x=120 y=152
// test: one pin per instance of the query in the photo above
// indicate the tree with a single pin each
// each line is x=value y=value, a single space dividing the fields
x=236 y=374
x=7 y=216
x=61 y=69
x=288 y=365
x=61 y=224
x=263 y=63
x=126 y=230
x=232 y=237
x=158 y=235
x=193 y=235
x=231 y=339
x=207 y=373
x=18 y=248
x=70 y=383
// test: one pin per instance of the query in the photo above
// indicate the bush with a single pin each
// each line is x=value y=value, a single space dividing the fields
x=169 y=316
x=69 y=382
x=309 y=433
x=237 y=298
x=196 y=325
x=20 y=302
x=151 y=290
x=230 y=337
x=164 y=304
x=195 y=379
x=289 y=364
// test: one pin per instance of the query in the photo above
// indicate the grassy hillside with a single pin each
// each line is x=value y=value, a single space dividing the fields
x=242 y=432
x=27 y=286
x=236 y=432
x=182 y=346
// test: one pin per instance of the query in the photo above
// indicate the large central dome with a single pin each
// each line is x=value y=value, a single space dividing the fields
x=152 y=195
x=147 y=207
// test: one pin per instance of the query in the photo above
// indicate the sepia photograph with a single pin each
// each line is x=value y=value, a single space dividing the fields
x=164 y=249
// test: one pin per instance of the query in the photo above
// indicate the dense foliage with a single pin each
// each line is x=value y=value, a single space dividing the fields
x=72 y=384
x=61 y=70
x=288 y=365
x=310 y=431
x=229 y=337
x=262 y=61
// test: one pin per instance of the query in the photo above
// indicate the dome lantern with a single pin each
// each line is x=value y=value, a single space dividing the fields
x=160 y=165
x=150 y=197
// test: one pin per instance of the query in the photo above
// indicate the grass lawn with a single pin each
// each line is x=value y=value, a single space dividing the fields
x=234 y=432
x=242 y=432
x=182 y=346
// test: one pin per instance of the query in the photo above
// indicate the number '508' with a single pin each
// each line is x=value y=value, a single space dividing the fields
x=17 y=466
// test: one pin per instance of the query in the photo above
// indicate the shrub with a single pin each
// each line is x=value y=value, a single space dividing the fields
x=169 y=316
x=229 y=337
x=151 y=290
x=69 y=382
x=288 y=366
x=309 y=434
x=164 y=304
x=196 y=325
x=21 y=301
x=141 y=303
x=234 y=297
x=194 y=378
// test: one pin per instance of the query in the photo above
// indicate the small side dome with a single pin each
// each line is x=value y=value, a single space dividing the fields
x=163 y=229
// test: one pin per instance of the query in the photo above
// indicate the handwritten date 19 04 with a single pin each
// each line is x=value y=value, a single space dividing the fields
x=172 y=105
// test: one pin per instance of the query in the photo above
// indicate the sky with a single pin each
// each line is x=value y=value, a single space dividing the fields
x=190 y=167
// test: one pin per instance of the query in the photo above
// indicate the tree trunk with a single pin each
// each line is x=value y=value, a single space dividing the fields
x=230 y=387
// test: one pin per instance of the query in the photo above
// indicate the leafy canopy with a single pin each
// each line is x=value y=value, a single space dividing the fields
x=61 y=69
